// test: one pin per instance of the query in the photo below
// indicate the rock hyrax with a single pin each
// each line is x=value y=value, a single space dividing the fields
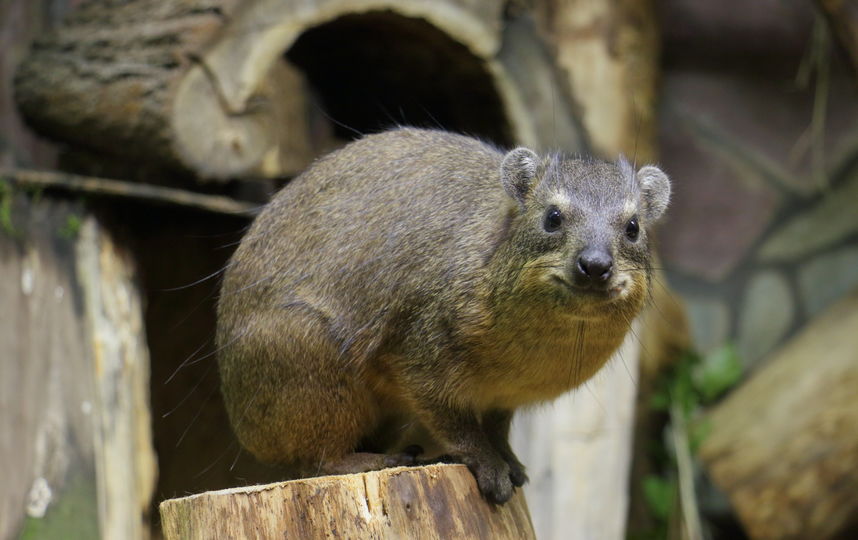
x=418 y=278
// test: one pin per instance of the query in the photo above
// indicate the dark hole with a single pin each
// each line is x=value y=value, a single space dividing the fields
x=375 y=70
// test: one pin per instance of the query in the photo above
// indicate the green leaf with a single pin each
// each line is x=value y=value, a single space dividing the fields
x=717 y=372
x=6 y=208
x=683 y=391
x=659 y=494
x=659 y=401
x=71 y=228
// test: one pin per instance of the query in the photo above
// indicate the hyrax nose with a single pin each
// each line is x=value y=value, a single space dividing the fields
x=595 y=265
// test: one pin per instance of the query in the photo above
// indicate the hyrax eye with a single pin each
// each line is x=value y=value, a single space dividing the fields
x=632 y=229
x=553 y=219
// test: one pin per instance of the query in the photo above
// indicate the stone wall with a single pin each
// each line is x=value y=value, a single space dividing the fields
x=759 y=131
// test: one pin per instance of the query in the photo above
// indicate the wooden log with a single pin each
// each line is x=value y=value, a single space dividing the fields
x=203 y=84
x=436 y=501
x=75 y=439
x=609 y=53
x=530 y=67
x=119 y=77
x=784 y=446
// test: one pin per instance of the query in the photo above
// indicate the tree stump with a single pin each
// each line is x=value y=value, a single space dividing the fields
x=436 y=501
x=784 y=446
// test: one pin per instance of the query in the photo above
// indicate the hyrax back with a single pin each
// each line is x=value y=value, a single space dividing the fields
x=421 y=278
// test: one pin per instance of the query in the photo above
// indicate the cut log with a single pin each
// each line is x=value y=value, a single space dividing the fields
x=75 y=435
x=784 y=446
x=126 y=78
x=436 y=501
x=204 y=84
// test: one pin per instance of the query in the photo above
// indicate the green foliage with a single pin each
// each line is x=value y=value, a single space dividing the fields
x=6 y=207
x=660 y=493
x=697 y=380
x=693 y=382
x=34 y=192
x=717 y=372
x=71 y=228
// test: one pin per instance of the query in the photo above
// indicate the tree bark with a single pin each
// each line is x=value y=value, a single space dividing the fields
x=126 y=78
x=437 y=501
x=75 y=439
x=609 y=54
x=784 y=446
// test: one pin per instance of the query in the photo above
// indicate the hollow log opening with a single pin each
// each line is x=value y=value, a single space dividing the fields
x=378 y=69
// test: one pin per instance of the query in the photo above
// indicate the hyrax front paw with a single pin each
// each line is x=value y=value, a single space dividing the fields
x=493 y=477
x=517 y=474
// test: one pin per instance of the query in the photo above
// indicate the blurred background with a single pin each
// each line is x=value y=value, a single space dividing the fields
x=138 y=138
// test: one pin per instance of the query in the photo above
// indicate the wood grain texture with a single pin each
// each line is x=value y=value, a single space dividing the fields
x=784 y=446
x=608 y=52
x=75 y=435
x=432 y=502
x=127 y=79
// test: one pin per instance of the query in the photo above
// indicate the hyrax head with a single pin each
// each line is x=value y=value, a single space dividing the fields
x=581 y=235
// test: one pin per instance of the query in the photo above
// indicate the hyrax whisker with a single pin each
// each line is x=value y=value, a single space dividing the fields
x=196 y=416
x=190 y=392
x=187 y=359
x=215 y=461
x=197 y=282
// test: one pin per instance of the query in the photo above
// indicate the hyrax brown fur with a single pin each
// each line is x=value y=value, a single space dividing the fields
x=421 y=278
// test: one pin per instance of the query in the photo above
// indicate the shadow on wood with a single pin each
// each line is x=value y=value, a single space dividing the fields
x=436 y=501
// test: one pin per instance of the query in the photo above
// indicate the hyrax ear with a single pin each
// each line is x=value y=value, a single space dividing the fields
x=518 y=171
x=655 y=188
